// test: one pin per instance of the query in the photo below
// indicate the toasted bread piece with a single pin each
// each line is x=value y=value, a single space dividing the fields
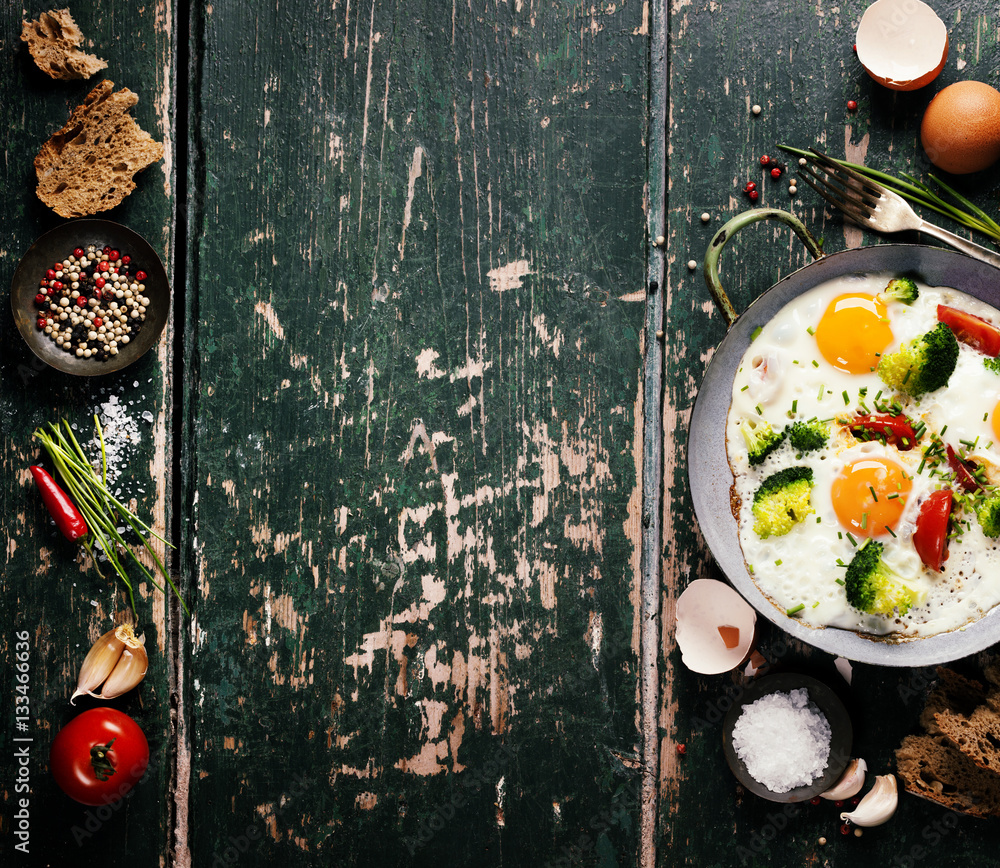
x=88 y=165
x=976 y=735
x=54 y=41
x=951 y=692
x=930 y=767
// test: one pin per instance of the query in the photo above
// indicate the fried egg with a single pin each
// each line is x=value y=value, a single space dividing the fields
x=816 y=359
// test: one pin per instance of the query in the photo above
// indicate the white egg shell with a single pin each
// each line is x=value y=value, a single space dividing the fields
x=703 y=607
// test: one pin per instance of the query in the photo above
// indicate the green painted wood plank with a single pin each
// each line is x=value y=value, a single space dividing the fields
x=795 y=60
x=43 y=589
x=417 y=285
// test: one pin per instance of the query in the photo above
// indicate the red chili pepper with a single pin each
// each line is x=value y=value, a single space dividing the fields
x=60 y=507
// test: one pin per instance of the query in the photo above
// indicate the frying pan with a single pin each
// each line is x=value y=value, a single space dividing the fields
x=708 y=466
x=57 y=243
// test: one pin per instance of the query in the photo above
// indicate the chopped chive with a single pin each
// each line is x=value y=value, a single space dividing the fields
x=815 y=363
x=840 y=581
x=874 y=495
x=815 y=604
x=795 y=609
x=864 y=521
x=847 y=398
x=811 y=330
x=777 y=563
x=853 y=541
x=941 y=433
x=756 y=333
x=839 y=535
x=890 y=531
x=819 y=397
x=745 y=388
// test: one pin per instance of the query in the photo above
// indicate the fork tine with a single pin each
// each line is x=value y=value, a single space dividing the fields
x=841 y=205
x=838 y=170
x=859 y=211
x=850 y=183
x=844 y=189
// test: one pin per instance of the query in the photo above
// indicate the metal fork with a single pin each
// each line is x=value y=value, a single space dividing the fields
x=872 y=206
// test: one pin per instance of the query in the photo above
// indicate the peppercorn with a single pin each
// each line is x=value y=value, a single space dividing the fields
x=775 y=173
x=765 y=160
x=852 y=105
x=753 y=194
x=682 y=749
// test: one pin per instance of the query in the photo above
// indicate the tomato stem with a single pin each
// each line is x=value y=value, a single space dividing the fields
x=100 y=762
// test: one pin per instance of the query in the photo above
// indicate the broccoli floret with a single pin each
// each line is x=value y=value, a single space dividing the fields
x=922 y=365
x=761 y=439
x=873 y=586
x=808 y=436
x=899 y=289
x=988 y=513
x=992 y=363
x=782 y=501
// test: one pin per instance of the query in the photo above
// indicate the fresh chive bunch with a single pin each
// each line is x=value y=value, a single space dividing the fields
x=966 y=213
x=101 y=509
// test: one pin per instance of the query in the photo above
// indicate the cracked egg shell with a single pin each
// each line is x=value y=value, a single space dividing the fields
x=715 y=627
x=902 y=44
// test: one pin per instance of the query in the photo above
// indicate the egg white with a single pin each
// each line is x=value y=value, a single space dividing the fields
x=783 y=378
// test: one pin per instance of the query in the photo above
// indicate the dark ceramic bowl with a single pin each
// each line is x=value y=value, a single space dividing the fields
x=54 y=246
x=823 y=697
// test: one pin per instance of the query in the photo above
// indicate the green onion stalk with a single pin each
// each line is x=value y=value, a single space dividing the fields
x=966 y=213
x=100 y=508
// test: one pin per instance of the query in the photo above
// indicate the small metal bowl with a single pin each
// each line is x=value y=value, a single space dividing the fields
x=54 y=246
x=823 y=697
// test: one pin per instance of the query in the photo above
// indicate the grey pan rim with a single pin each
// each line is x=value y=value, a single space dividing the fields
x=710 y=479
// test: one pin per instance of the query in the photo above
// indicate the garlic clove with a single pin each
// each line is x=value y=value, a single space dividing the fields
x=98 y=663
x=129 y=670
x=877 y=806
x=849 y=783
x=118 y=658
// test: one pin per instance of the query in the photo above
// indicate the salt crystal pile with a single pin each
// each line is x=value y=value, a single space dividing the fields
x=783 y=740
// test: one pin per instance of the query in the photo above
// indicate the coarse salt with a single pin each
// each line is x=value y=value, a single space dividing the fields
x=783 y=740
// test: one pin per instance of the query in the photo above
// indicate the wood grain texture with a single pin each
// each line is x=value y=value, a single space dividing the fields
x=417 y=291
x=796 y=61
x=44 y=589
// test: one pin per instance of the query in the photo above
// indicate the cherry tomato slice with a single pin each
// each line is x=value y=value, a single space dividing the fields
x=894 y=430
x=99 y=756
x=962 y=472
x=971 y=330
x=930 y=537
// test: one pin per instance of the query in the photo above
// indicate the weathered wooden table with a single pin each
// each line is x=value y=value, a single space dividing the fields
x=417 y=429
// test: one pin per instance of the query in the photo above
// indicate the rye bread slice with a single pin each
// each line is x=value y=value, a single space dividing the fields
x=976 y=735
x=951 y=692
x=54 y=41
x=88 y=165
x=930 y=767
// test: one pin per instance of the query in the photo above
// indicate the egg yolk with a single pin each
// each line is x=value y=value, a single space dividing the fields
x=996 y=421
x=853 y=332
x=869 y=496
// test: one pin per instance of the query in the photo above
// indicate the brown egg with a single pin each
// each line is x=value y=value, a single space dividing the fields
x=961 y=128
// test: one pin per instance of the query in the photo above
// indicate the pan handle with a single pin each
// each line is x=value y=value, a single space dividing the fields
x=711 y=266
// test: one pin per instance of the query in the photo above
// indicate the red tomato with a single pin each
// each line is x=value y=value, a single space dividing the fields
x=971 y=330
x=963 y=471
x=99 y=756
x=931 y=534
x=894 y=430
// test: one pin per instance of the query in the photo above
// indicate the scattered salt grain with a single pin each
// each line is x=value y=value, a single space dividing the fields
x=783 y=739
x=121 y=435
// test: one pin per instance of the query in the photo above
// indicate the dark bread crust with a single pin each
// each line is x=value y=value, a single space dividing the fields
x=951 y=692
x=88 y=165
x=930 y=767
x=54 y=41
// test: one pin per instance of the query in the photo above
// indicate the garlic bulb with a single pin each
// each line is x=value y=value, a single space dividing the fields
x=877 y=806
x=117 y=660
x=849 y=783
